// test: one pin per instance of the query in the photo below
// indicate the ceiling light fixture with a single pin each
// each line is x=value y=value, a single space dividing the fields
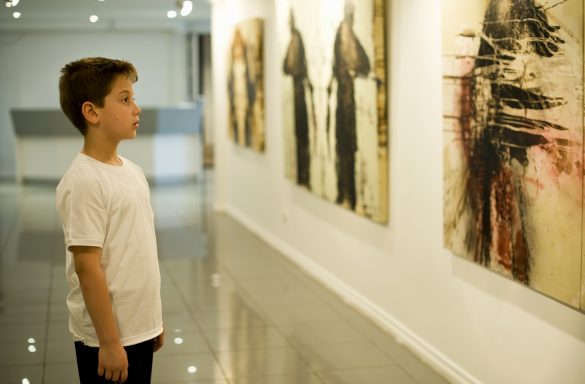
x=93 y=18
x=16 y=15
x=186 y=7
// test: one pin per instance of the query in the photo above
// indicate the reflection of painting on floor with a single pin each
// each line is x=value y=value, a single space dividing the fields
x=246 y=85
x=334 y=89
x=513 y=137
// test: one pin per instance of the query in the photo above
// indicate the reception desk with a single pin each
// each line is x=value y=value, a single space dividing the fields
x=168 y=145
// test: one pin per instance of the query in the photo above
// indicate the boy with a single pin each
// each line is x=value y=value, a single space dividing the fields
x=103 y=200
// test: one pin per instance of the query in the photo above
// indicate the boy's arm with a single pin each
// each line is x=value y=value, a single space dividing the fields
x=113 y=362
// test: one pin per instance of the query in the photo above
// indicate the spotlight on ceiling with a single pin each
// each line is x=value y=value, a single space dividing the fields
x=184 y=7
x=187 y=8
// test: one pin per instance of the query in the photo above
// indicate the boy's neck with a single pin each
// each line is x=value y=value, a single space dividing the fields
x=105 y=153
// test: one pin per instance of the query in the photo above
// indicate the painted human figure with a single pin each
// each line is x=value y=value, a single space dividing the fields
x=239 y=87
x=349 y=62
x=295 y=65
x=510 y=120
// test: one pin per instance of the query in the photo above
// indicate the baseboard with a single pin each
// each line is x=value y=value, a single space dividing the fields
x=386 y=321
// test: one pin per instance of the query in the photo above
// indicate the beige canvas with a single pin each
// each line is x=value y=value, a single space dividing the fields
x=333 y=65
x=513 y=140
x=246 y=85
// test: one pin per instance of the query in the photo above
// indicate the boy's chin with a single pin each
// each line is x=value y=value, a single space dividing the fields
x=131 y=135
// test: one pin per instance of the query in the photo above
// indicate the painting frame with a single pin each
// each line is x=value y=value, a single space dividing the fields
x=344 y=163
x=513 y=122
x=245 y=85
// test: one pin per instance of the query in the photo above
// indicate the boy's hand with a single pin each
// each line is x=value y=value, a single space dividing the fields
x=113 y=363
x=159 y=341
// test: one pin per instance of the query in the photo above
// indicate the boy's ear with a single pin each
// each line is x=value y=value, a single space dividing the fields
x=90 y=113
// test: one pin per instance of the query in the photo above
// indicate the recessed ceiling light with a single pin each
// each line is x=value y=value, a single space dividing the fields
x=187 y=8
x=16 y=15
x=93 y=18
x=171 y=14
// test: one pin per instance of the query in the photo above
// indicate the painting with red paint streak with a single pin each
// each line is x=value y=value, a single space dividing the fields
x=513 y=140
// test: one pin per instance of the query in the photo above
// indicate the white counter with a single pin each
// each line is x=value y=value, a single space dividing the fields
x=168 y=146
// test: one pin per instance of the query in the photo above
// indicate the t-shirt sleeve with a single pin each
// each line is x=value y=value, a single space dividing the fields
x=82 y=207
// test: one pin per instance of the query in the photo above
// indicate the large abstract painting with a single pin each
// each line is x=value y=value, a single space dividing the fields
x=513 y=140
x=333 y=63
x=246 y=85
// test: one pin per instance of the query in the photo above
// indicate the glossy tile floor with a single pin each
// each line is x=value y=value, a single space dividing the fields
x=235 y=310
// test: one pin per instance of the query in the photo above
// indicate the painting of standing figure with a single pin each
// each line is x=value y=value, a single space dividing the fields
x=295 y=66
x=246 y=85
x=513 y=140
x=335 y=103
x=349 y=62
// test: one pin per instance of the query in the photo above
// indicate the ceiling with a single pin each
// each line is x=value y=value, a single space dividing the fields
x=113 y=14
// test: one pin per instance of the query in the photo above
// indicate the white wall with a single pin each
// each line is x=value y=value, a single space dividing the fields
x=473 y=325
x=31 y=64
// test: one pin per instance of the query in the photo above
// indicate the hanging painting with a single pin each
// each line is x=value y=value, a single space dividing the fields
x=513 y=140
x=333 y=64
x=246 y=85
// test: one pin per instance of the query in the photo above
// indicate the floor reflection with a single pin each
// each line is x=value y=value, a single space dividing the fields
x=235 y=310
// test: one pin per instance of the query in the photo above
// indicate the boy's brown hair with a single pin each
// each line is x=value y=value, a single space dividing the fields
x=89 y=79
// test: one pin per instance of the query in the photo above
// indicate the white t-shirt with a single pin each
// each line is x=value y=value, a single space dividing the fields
x=108 y=206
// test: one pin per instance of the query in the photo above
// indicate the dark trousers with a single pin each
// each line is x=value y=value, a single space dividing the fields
x=139 y=363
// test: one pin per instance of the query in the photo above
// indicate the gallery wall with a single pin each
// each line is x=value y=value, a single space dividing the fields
x=31 y=63
x=469 y=323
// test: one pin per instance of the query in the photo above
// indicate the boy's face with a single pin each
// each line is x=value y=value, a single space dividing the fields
x=118 y=118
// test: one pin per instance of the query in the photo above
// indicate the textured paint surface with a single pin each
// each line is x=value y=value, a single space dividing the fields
x=246 y=85
x=513 y=120
x=334 y=82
